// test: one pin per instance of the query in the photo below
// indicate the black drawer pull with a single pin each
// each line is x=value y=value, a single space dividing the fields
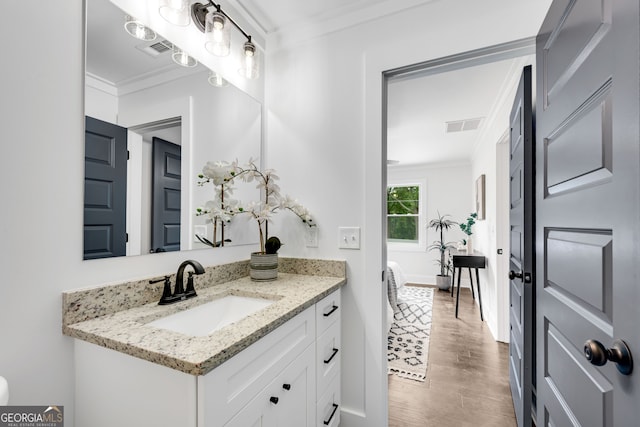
x=335 y=408
x=334 y=308
x=286 y=386
x=335 y=351
x=273 y=400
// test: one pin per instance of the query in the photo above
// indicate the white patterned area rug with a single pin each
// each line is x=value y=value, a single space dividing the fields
x=408 y=341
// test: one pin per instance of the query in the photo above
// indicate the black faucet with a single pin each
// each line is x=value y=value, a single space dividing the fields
x=179 y=292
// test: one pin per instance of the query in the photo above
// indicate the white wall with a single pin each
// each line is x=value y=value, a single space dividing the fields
x=447 y=192
x=325 y=137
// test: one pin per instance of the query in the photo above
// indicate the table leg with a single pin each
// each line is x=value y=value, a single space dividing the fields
x=479 y=296
x=458 y=293
x=473 y=296
x=453 y=281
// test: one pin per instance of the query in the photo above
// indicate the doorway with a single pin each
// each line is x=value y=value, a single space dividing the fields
x=451 y=171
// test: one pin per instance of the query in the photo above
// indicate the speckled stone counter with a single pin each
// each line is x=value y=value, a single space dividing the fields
x=127 y=330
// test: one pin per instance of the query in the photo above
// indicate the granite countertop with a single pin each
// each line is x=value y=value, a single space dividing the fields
x=127 y=330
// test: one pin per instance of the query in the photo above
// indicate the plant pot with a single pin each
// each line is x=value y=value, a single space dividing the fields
x=263 y=267
x=469 y=246
x=443 y=282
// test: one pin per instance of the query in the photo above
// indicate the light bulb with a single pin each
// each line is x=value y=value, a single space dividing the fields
x=249 y=68
x=217 y=34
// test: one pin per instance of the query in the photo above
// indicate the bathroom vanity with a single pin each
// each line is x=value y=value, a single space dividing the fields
x=279 y=366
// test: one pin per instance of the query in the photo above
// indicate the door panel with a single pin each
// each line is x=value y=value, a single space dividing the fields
x=588 y=162
x=521 y=359
x=105 y=190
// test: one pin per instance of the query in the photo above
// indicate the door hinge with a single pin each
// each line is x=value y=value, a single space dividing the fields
x=499 y=251
x=128 y=154
x=383 y=275
x=126 y=236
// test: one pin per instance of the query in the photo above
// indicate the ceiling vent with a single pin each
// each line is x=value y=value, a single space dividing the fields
x=463 y=125
x=156 y=48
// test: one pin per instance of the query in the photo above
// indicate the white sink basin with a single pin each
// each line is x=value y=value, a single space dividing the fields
x=209 y=317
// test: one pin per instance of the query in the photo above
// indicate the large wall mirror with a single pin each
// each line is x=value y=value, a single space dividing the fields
x=169 y=121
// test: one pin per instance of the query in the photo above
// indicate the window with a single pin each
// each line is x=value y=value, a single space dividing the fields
x=403 y=214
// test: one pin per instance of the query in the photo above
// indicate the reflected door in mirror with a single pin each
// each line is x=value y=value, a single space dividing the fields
x=166 y=196
x=105 y=189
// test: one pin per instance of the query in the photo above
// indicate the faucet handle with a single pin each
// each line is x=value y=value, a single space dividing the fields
x=191 y=290
x=166 y=297
x=166 y=279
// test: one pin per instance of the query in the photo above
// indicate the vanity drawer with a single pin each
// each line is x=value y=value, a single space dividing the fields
x=328 y=356
x=229 y=387
x=328 y=407
x=328 y=310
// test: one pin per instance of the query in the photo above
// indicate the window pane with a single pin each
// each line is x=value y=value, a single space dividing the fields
x=403 y=229
x=403 y=200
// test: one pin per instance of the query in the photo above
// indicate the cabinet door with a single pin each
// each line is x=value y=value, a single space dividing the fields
x=296 y=388
x=288 y=401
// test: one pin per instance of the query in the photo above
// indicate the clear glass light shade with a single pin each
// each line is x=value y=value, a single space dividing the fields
x=176 y=12
x=216 y=79
x=250 y=67
x=137 y=29
x=180 y=57
x=217 y=34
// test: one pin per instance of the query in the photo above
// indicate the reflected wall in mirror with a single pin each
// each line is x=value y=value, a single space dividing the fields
x=173 y=121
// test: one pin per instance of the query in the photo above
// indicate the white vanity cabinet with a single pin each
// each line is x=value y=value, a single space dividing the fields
x=288 y=378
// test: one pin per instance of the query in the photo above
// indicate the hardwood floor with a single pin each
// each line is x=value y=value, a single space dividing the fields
x=467 y=380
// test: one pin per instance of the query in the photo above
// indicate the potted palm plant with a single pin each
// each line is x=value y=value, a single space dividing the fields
x=442 y=224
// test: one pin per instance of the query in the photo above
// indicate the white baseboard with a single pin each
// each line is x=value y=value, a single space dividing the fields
x=431 y=280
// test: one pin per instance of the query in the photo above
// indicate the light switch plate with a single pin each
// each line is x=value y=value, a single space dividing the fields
x=200 y=230
x=311 y=237
x=349 y=237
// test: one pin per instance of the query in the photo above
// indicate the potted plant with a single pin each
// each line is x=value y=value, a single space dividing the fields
x=442 y=224
x=466 y=229
x=264 y=263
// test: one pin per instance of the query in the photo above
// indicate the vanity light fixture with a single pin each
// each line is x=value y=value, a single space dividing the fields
x=214 y=24
x=175 y=12
x=216 y=79
x=181 y=57
x=138 y=30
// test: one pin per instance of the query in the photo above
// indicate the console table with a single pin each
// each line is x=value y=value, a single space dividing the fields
x=462 y=259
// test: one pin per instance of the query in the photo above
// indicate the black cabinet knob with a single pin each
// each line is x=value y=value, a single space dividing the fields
x=274 y=400
x=286 y=386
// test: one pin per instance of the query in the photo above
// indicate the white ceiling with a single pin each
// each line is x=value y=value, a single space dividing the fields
x=419 y=108
x=281 y=16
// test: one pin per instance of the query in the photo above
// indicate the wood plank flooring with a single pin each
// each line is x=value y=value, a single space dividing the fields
x=467 y=380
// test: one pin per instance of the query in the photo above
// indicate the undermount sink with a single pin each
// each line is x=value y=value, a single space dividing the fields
x=211 y=316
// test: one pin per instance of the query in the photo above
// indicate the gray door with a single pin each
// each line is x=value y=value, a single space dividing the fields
x=165 y=222
x=105 y=189
x=587 y=211
x=521 y=259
